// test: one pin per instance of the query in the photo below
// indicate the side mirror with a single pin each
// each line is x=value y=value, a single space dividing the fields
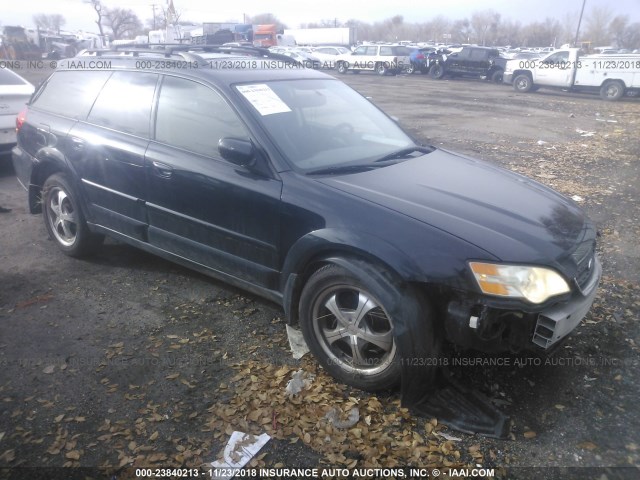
x=237 y=151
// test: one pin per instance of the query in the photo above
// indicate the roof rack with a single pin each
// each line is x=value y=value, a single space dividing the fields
x=186 y=51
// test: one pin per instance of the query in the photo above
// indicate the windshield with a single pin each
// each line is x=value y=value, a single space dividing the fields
x=323 y=123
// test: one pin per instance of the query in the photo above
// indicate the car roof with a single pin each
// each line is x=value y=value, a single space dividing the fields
x=217 y=64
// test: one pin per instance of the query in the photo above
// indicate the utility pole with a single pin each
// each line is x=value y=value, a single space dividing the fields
x=575 y=42
x=153 y=6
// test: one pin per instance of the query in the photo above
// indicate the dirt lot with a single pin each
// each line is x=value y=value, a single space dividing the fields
x=125 y=359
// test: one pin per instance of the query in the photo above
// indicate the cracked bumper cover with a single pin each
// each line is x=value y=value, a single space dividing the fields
x=558 y=321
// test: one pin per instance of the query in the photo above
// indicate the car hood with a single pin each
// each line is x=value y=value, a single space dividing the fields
x=510 y=216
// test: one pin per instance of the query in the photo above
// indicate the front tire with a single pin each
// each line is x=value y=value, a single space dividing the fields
x=381 y=69
x=437 y=71
x=359 y=321
x=64 y=219
x=523 y=83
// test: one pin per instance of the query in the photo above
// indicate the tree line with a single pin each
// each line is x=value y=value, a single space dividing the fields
x=487 y=27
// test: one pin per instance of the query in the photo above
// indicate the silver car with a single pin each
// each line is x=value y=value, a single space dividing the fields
x=15 y=92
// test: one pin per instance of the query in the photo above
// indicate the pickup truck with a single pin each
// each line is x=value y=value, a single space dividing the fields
x=612 y=76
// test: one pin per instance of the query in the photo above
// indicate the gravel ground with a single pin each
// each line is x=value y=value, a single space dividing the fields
x=126 y=360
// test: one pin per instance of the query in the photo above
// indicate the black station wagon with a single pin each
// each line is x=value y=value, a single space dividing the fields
x=286 y=182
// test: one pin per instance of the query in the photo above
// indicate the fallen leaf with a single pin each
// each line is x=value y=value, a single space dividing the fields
x=73 y=455
x=49 y=369
x=530 y=434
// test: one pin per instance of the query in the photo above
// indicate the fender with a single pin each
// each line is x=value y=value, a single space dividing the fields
x=330 y=244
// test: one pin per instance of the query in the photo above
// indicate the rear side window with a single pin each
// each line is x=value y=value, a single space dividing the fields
x=71 y=93
x=194 y=117
x=124 y=103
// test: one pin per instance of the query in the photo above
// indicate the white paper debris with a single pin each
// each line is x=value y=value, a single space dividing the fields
x=298 y=346
x=542 y=142
x=577 y=198
x=240 y=448
x=299 y=381
x=446 y=436
x=264 y=100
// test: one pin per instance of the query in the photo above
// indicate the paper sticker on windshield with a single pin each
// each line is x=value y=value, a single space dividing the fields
x=264 y=100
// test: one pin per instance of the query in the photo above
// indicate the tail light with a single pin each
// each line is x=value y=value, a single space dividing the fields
x=420 y=56
x=21 y=118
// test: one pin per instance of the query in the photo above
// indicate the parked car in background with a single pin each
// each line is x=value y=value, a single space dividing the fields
x=15 y=92
x=328 y=55
x=382 y=59
x=303 y=58
x=470 y=61
x=419 y=59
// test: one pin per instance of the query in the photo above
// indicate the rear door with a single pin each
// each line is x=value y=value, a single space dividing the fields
x=108 y=151
x=200 y=206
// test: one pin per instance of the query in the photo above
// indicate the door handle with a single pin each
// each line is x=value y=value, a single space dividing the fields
x=162 y=169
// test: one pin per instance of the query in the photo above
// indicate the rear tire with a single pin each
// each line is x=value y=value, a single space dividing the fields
x=496 y=77
x=411 y=69
x=612 y=90
x=342 y=68
x=64 y=219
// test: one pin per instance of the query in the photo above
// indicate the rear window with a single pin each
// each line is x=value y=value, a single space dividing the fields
x=71 y=93
x=401 y=51
x=8 y=78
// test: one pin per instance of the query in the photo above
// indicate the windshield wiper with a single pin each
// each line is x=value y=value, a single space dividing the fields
x=343 y=169
x=405 y=153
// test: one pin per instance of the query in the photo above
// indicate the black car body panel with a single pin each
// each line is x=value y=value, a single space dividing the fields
x=471 y=61
x=148 y=174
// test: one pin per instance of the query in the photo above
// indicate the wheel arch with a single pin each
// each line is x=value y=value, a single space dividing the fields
x=49 y=162
x=319 y=248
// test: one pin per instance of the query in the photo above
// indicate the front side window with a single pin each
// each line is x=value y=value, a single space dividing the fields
x=124 y=104
x=194 y=117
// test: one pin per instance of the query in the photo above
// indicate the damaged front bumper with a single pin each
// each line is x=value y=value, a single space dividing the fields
x=492 y=326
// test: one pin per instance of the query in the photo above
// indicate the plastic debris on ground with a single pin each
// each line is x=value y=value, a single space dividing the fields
x=298 y=346
x=584 y=133
x=299 y=381
x=542 y=142
x=446 y=436
x=240 y=448
x=577 y=198
x=333 y=416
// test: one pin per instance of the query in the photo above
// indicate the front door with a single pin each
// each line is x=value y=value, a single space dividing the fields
x=200 y=206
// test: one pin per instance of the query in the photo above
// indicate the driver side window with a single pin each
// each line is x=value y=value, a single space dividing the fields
x=194 y=117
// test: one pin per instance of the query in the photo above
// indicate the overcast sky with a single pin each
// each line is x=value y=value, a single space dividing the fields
x=80 y=16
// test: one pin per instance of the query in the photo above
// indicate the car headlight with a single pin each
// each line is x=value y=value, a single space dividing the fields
x=535 y=284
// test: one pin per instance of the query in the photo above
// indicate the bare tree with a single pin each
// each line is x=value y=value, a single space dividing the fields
x=97 y=6
x=597 y=26
x=53 y=21
x=123 y=22
x=485 y=25
x=624 y=35
x=461 y=31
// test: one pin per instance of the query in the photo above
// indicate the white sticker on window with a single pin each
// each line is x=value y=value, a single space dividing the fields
x=265 y=100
